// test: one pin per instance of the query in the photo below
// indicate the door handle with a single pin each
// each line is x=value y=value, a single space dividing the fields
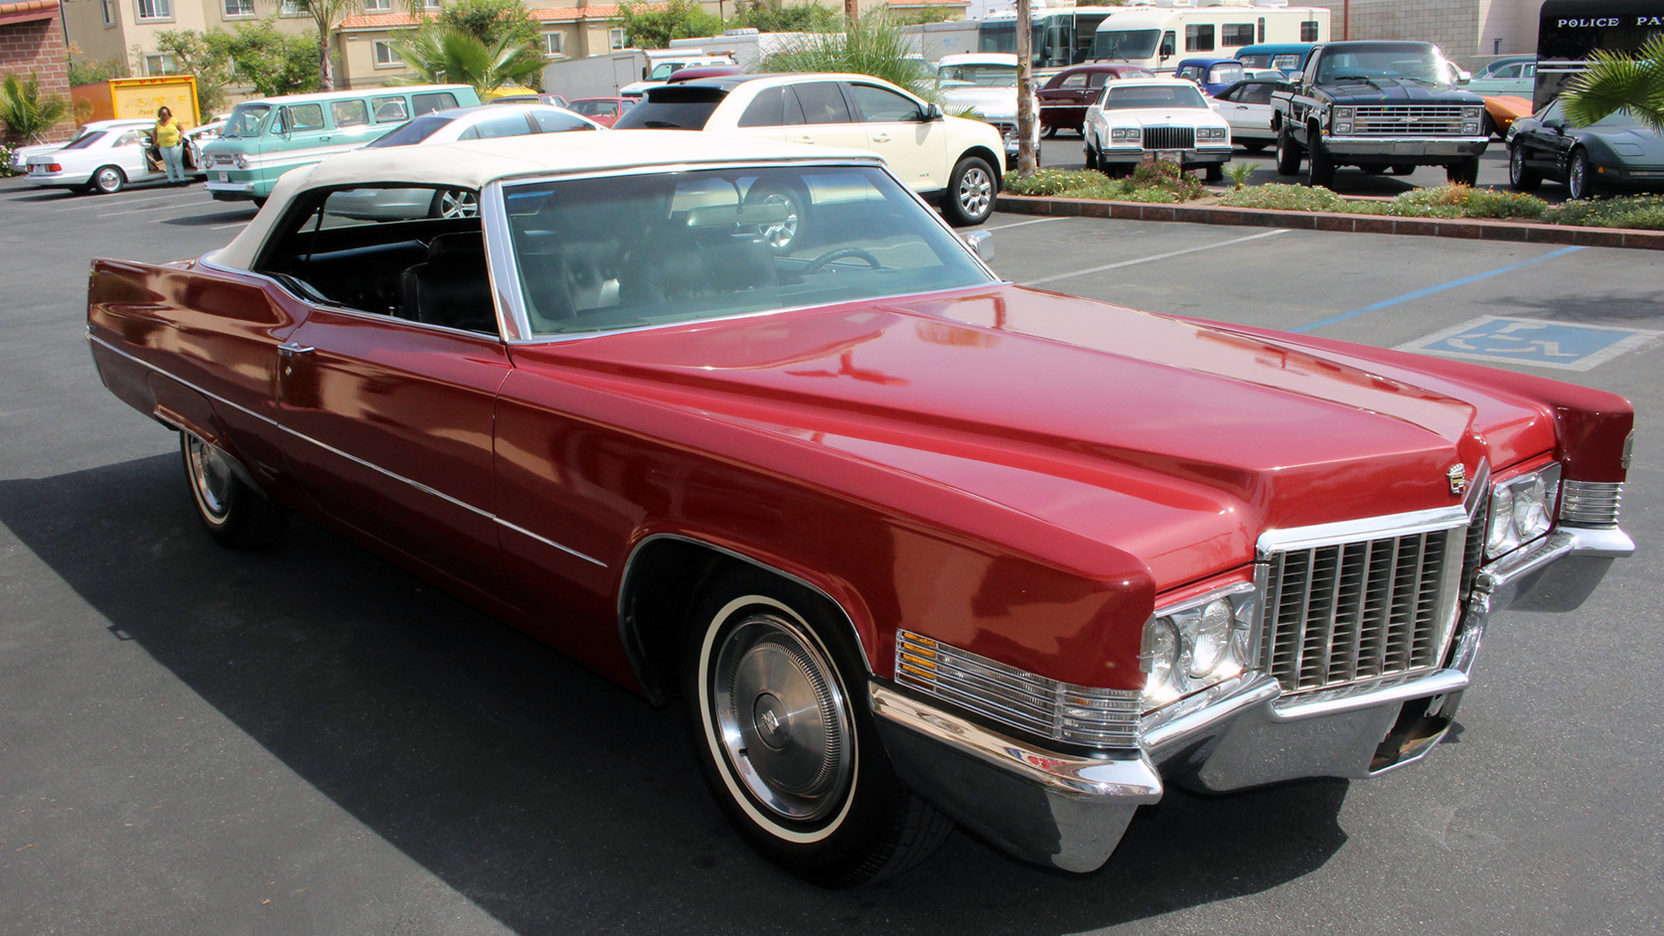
x=289 y=349
x=805 y=139
x=881 y=138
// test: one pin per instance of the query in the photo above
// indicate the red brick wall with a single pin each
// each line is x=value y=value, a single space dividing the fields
x=38 y=46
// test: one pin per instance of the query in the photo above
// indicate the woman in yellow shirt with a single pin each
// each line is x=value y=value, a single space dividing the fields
x=170 y=140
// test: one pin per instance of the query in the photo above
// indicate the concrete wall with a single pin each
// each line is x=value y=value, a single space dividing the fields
x=1467 y=30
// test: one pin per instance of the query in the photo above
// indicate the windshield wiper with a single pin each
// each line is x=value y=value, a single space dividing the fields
x=1351 y=77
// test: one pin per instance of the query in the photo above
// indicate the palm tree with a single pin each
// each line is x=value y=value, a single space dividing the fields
x=1617 y=82
x=328 y=14
x=443 y=55
x=24 y=112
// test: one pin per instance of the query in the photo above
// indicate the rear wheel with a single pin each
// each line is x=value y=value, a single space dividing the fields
x=455 y=203
x=1520 y=176
x=785 y=738
x=1403 y=168
x=971 y=191
x=1288 y=154
x=1375 y=170
x=108 y=180
x=234 y=514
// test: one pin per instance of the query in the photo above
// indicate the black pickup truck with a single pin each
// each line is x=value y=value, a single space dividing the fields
x=1379 y=106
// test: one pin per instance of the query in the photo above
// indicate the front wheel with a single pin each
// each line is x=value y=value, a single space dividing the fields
x=1254 y=146
x=1465 y=172
x=785 y=738
x=455 y=203
x=785 y=233
x=1320 y=167
x=1093 y=161
x=108 y=180
x=971 y=191
x=235 y=514
x=1580 y=183
x=1403 y=169
x=1214 y=173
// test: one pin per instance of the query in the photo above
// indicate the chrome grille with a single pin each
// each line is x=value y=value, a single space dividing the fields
x=1169 y=138
x=223 y=159
x=1046 y=707
x=1591 y=503
x=1414 y=120
x=1359 y=611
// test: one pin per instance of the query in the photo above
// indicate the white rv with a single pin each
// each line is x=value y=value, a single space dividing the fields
x=1157 y=35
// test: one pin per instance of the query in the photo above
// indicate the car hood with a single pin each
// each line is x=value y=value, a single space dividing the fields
x=1649 y=142
x=1175 y=440
x=1163 y=117
x=988 y=101
x=1396 y=91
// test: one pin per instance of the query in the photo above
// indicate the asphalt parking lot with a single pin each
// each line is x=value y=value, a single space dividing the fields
x=194 y=741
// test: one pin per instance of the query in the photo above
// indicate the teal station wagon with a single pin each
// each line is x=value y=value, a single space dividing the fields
x=267 y=137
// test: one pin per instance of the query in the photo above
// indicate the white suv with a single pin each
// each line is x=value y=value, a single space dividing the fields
x=950 y=160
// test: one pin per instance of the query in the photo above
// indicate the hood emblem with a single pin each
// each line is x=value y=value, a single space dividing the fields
x=1458 y=478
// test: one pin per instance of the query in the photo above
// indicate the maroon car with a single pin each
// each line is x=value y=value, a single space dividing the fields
x=1065 y=98
x=602 y=110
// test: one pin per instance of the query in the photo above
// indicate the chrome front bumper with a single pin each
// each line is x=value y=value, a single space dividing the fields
x=1069 y=809
x=1391 y=149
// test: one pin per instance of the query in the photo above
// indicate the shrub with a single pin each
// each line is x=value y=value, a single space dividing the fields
x=5 y=161
x=1643 y=212
x=1169 y=177
x=1055 y=182
x=1282 y=196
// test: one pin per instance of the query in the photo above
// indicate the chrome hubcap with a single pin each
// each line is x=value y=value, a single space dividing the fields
x=780 y=234
x=781 y=718
x=455 y=204
x=1574 y=179
x=210 y=477
x=976 y=190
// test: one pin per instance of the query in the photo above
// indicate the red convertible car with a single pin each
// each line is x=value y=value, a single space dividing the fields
x=916 y=546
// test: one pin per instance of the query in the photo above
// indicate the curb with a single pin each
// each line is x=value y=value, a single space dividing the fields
x=1335 y=221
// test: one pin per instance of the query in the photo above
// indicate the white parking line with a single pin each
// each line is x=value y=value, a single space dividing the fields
x=1176 y=253
x=1017 y=224
x=106 y=201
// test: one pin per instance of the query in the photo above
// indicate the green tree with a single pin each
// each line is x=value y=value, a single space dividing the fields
x=269 y=59
x=441 y=54
x=675 y=19
x=25 y=112
x=872 y=45
x=208 y=61
x=1616 y=82
x=491 y=20
x=776 y=16
x=327 y=14
x=81 y=73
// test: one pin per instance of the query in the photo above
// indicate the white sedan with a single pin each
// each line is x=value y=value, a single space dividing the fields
x=1139 y=120
x=986 y=82
x=481 y=122
x=103 y=158
x=1246 y=106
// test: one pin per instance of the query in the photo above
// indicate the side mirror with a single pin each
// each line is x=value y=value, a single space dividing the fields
x=1557 y=124
x=932 y=112
x=981 y=244
x=1295 y=77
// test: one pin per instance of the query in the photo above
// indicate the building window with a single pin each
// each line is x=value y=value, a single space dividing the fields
x=1308 y=31
x=109 y=12
x=385 y=56
x=155 y=9
x=237 y=9
x=429 y=5
x=1198 y=37
x=616 y=38
x=160 y=63
x=554 y=44
x=378 y=6
x=291 y=8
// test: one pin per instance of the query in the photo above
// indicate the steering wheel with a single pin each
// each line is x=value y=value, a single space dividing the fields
x=824 y=260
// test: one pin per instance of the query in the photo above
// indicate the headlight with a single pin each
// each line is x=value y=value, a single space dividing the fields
x=1522 y=510
x=1342 y=113
x=1195 y=644
x=1210 y=133
x=1470 y=128
x=1125 y=133
x=239 y=160
x=1472 y=113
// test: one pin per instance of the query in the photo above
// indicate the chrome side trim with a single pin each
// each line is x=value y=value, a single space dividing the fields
x=391 y=475
x=1128 y=777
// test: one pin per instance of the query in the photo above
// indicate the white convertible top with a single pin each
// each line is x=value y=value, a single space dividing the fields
x=475 y=163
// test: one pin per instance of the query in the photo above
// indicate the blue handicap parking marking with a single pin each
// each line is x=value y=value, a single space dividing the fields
x=1533 y=341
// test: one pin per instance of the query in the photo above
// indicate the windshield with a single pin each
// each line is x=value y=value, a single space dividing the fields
x=413 y=132
x=247 y=120
x=627 y=251
x=1225 y=73
x=997 y=76
x=1125 y=43
x=1416 y=63
x=1124 y=98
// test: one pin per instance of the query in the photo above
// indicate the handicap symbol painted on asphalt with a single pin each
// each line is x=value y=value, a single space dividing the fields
x=1534 y=341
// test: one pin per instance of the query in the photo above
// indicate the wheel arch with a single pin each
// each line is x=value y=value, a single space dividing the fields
x=662 y=579
x=995 y=161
